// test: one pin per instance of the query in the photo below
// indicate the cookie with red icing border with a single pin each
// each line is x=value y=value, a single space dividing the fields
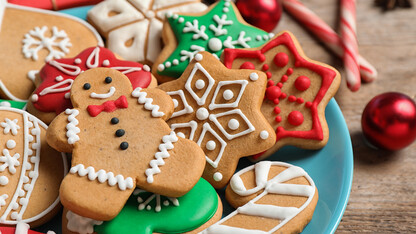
x=54 y=4
x=298 y=90
x=219 y=108
x=29 y=37
x=119 y=140
x=133 y=28
x=269 y=197
x=54 y=80
x=30 y=170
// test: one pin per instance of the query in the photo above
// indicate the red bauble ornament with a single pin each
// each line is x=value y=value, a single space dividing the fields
x=264 y=14
x=389 y=121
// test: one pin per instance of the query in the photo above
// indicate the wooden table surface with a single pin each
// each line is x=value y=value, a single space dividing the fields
x=383 y=196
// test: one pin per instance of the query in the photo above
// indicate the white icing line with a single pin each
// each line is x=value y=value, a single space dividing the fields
x=71 y=127
x=9 y=94
x=103 y=176
x=3 y=4
x=163 y=153
x=104 y=95
x=141 y=95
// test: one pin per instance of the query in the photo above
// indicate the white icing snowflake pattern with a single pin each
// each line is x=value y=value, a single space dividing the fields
x=35 y=40
x=10 y=126
x=145 y=203
x=9 y=161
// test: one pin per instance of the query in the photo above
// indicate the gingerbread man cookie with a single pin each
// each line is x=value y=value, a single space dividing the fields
x=219 y=108
x=119 y=139
x=133 y=28
x=55 y=79
x=219 y=27
x=30 y=170
x=298 y=90
x=269 y=197
x=29 y=37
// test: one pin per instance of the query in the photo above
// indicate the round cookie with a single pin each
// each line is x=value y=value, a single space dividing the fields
x=31 y=36
x=55 y=79
x=298 y=90
x=30 y=170
x=119 y=139
x=269 y=197
x=191 y=213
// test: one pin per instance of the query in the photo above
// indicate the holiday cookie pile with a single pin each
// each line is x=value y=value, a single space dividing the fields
x=140 y=134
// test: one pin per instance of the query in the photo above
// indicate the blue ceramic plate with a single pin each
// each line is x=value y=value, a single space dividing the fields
x=331 y=168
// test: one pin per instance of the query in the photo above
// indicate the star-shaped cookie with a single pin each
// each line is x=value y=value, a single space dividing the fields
x=298 y=90
x=219 y=109
x=221 y=26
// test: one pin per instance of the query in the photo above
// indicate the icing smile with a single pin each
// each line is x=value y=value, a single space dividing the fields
x=104 y=95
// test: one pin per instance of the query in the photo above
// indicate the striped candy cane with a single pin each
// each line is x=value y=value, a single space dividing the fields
x=326 y=34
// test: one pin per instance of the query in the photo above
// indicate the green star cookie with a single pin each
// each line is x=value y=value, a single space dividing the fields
x=220 y=27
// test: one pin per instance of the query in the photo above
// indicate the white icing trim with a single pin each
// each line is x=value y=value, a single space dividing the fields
x=186 y=109
x=9 y=94
x=63 y=67
x=191 y=124
x=214 y=105
x=64 y=161
x=167 y=144
x=103 y=176
x=211 y=81
x=3 y=4
x=79 y=224
x=71 y=128
x=96 y=55
x=207 y=128
x=275 y=186
x=54 y=89
x=104 y=95
x=214 y=119
x=141 y=95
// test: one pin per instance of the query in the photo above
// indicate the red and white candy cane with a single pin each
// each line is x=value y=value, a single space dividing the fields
x=326 y=34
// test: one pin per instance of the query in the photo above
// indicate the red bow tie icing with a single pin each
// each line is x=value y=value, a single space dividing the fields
x=108 y=106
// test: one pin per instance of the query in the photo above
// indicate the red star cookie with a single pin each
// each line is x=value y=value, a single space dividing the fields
x=297 y=93
x=219 y=108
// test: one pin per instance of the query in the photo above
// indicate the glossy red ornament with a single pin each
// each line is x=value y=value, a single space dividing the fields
x=264 y=14
x=389 y=121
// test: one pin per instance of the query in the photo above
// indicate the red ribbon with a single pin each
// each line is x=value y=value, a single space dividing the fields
x=108 y=106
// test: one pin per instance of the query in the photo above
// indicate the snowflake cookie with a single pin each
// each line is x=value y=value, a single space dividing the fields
x=30 y=170
x=30 y=37
x=119 y=140
x=133 y=28
x=51 y=96
x=191 y=213
x=281 y=195
x=219 y=109
x=298 y=90
x=221 y=26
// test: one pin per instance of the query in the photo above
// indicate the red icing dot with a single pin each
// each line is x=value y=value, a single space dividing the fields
x=280 y=85
x=283 y=95
x=284 y=78
x=265 y=67
x=300 y=100
x=302 y=83
x=270 y=83
x=273 y=92
x=276 y=101
x=289 y=71
x=247 y=65
x=278 y=119
x=276 y=110
x=292 y=98
x=281 y=59
x=269 y=75
x=295 y=118
x=308 y=104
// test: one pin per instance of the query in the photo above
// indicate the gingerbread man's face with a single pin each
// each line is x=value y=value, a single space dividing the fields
x=86 y=91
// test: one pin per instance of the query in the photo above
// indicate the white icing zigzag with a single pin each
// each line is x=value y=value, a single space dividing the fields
x=103 y=176
x=147 y=102
x=71 y=127
x=163 y=153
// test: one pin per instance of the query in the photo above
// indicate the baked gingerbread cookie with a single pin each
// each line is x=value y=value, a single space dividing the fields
x=119 y=140
x=29 y=37
x=14 y=104
x=269 y=197
x=54 y=80
x=191 y=213
x=133 y=28
x=30 y=170
x=54 y=4
x=219 y=109
x=219 y=27
x=298 y=90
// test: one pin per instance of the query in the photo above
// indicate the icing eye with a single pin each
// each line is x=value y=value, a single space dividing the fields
x=87 y=86
x=108 y=80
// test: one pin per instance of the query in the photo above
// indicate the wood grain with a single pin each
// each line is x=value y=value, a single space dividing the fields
x=383 y=196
